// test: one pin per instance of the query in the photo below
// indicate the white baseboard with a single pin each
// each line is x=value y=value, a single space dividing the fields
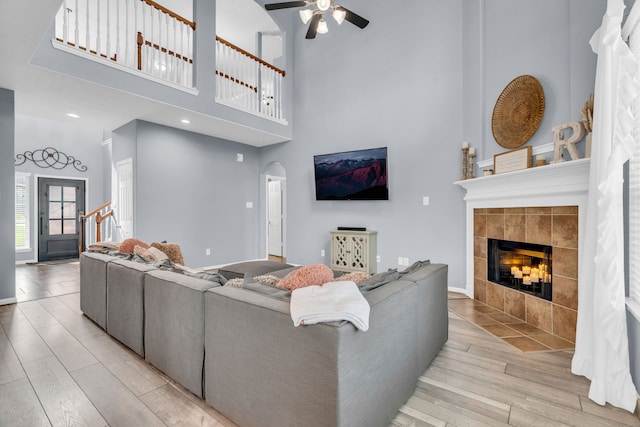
x=459 y=291
x=7 y=301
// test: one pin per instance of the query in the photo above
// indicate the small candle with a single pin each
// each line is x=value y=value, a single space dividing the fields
x=526 y=280
x=526 y=270
x=518 y=274
x=472 y=151
x=541 y=157
x=534 y=278
x=513 y=270
x=465 y=144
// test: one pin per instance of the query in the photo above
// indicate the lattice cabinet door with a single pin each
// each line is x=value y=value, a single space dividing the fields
x=354 y=250
x=340 y=253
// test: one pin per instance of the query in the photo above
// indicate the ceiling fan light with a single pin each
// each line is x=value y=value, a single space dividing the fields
x=305 y=15
x=339 y=15
x=323 y=5
x=322 y=26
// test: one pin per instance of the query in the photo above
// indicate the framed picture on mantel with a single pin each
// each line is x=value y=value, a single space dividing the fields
x=512 y=160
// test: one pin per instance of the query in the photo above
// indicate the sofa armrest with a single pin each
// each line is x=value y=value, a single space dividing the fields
x=174 y=326
x=125 y=302
x=433 y=316
x=263 y=371
x=93 y=286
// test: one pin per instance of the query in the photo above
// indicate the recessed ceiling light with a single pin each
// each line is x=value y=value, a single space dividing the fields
x=73 y=115
x=185 y=121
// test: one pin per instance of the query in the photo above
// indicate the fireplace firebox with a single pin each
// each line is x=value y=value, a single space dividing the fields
x=525 y=267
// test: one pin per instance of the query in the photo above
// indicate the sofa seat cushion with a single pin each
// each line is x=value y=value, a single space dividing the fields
x=254 y=268
x=378 y=280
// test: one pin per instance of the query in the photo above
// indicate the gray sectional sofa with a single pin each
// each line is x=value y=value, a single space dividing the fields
x=238 y=349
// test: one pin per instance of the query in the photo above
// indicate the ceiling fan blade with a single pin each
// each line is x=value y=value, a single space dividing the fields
x=313 y=26
x=354 y=18
x=285 y=5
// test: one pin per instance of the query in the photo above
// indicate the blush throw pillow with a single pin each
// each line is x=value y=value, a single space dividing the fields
x=309 y=275
x=172 y=250
x=127 y=246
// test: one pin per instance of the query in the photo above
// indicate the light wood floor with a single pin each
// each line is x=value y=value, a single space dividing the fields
x=58 y=368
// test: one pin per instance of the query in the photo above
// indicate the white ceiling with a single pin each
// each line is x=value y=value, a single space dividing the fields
x=43 y=93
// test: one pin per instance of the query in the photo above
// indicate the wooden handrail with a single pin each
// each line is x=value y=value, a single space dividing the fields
x=250 y=55
x=170 y=13
x=95 y=211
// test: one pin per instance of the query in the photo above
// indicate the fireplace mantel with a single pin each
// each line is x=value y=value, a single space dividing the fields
x=560 y=184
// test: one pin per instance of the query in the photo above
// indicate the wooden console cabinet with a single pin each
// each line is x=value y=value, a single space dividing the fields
x=354 y=250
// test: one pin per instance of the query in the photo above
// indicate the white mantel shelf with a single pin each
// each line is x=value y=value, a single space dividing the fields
x=560 y=184
x=528 y=185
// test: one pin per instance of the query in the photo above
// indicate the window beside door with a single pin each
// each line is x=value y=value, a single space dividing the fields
x=23 y=211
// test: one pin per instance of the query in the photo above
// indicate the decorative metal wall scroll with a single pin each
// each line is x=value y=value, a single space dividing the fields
x=50 y=158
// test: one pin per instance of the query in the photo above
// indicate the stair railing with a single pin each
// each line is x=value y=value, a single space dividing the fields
x=91 y=224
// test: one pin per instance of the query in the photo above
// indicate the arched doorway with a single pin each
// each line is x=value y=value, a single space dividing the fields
x=276 y=184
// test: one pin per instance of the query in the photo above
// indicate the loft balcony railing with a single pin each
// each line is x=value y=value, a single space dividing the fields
x=140 y=35
x=247 y=82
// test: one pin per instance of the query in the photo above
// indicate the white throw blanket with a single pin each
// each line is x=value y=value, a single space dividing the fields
x=330 y=302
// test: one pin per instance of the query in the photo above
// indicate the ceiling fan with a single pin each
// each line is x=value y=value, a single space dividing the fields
x=316 y=16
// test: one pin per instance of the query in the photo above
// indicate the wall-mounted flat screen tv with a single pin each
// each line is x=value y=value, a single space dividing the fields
x=352 y=175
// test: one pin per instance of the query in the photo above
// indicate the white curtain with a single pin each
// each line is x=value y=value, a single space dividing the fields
x=602 y=352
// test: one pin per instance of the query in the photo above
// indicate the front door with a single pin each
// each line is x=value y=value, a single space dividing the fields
x=60 y=202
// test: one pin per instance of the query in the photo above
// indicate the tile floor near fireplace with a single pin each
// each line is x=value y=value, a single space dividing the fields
x=523 y=336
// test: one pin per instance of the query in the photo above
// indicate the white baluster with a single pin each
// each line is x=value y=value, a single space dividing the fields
x=109 y=29
x=98 y=27
x=65 y=22
x=143 y=10
x=118 y=30
x=180 y=44
x=76 y=30
x=87 y=35
x=174 y=69
x=190 y=56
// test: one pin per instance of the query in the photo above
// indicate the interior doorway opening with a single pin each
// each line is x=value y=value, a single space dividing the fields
x=276 y=218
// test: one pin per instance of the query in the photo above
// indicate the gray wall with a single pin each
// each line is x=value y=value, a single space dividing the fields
x=422 y=83
x=7 y=198
x=83 y=143
x=396 y=83
x=548 y=39
x=191 y=190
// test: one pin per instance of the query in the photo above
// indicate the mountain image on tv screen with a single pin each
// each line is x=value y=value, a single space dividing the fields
x=352 y=175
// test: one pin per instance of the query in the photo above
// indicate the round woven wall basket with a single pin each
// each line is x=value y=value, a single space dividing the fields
x=518 y=112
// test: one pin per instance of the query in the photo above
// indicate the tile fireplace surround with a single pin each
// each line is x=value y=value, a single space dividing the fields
x=542 y=205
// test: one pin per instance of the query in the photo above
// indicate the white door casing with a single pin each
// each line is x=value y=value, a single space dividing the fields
x=124 y=204
x=275 y=216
